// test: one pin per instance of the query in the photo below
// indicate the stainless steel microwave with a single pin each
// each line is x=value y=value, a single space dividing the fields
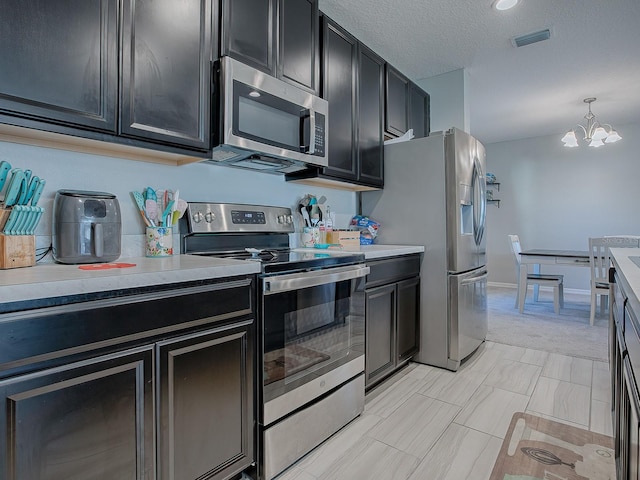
x=265 y=123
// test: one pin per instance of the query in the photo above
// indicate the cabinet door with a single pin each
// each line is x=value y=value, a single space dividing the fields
x=408 y=318
x=298 y=60
x=380 y=307
x=91 y=419
x=419 y=111
x=339 y=89
x=248 y=32
x=396 y=102
x=166 y=71
x=370 y=117
x=206 y=403
x=60 y=61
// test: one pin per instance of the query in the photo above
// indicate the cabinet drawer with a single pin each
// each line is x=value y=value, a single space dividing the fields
x=42 y=336
x=392 y=269
x=632 y=338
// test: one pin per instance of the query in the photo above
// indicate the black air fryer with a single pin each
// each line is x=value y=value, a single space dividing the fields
x=87 y=227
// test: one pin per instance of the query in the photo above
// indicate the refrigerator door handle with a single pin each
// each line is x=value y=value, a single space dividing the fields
x=479 y=211
x=476 y=277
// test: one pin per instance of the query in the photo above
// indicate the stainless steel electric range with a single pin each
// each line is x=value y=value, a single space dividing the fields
x=310 y=325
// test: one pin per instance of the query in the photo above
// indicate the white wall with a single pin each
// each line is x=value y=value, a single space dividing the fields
x=448 y=99
x=557 y=197
x=197 y=182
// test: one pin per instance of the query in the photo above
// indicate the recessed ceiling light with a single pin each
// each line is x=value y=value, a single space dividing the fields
x=504 y=4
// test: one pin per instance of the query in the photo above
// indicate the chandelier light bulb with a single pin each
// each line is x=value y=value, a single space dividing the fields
x=596 y=143
x=599 y=134
x=570 y=139
x=613 y=137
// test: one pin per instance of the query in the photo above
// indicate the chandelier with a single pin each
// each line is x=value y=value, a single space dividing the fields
x=595 y=133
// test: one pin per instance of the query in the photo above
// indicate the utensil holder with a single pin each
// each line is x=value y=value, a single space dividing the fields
x=17 y=251
x=158 y=242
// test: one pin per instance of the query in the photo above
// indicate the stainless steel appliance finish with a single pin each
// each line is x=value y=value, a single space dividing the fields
x=87 y=227
x=267 y=124
x=311 y=325
x=435 y=195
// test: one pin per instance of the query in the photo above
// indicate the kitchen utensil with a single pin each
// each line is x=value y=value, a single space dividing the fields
x=38 y=192
x=30 y=190
x=5 y=167
x=175 y=196
x=8 y=226
x=137 y=196
x=20 y=221
x=166 y=215
x=180 y=209
x=15 y=186
x=151 y=208
x=150 y=194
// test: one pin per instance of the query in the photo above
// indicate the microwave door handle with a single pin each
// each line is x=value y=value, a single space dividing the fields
x=311 y=148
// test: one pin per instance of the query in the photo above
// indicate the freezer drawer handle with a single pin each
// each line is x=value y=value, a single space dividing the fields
x=476 y=278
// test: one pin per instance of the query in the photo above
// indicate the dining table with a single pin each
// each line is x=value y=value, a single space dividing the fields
x=540 y=256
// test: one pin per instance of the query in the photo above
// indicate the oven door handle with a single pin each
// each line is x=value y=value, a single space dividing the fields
x=296 y=281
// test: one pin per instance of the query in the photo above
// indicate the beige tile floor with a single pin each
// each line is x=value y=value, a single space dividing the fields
x=425 y=423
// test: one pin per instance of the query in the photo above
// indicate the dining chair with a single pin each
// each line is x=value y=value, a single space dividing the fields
x=600 y=261
x=541 y=279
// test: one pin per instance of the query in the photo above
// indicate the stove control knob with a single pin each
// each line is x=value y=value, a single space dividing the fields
x=209 y=217
x=289 y=219
x=197 y=217
x=281 y=219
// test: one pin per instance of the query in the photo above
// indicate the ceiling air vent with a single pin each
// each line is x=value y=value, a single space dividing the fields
x=530 y=38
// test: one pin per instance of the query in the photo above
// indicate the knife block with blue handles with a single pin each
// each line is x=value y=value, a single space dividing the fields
x=15 y=250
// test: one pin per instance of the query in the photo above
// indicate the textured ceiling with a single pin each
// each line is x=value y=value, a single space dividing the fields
x=513 y=93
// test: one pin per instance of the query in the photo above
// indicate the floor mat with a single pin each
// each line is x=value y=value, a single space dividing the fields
x=535 y=448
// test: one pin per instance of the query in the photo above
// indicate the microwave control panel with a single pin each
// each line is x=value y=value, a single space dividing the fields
x=321 y=133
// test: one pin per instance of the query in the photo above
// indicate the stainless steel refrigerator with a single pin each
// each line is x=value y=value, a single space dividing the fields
x=435 y=195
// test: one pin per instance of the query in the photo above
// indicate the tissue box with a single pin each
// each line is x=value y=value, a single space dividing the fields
x=346 y=238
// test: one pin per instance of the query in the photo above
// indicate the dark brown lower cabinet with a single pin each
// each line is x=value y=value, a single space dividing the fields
x=91 y=419
x=392 y=313
x=134 y=387
x=206 y=393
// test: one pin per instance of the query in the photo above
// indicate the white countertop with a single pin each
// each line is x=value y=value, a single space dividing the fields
x=54 y=279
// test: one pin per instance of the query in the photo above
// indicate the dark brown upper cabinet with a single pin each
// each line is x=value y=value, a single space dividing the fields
x=353 y=84
x=166 y=71
x=396 y=102
x=407 y=106
x=370 y=117
x=280 y=37
x=339 y=88
x=419 y=111
x=135 y=72
x=60 y=61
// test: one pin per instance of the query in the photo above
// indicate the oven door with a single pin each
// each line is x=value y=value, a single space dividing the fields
x=313 y=335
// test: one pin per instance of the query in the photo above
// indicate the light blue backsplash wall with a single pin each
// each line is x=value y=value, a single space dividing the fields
x=197 y=182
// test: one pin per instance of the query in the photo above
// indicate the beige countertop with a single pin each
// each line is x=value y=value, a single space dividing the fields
x=54 y=279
